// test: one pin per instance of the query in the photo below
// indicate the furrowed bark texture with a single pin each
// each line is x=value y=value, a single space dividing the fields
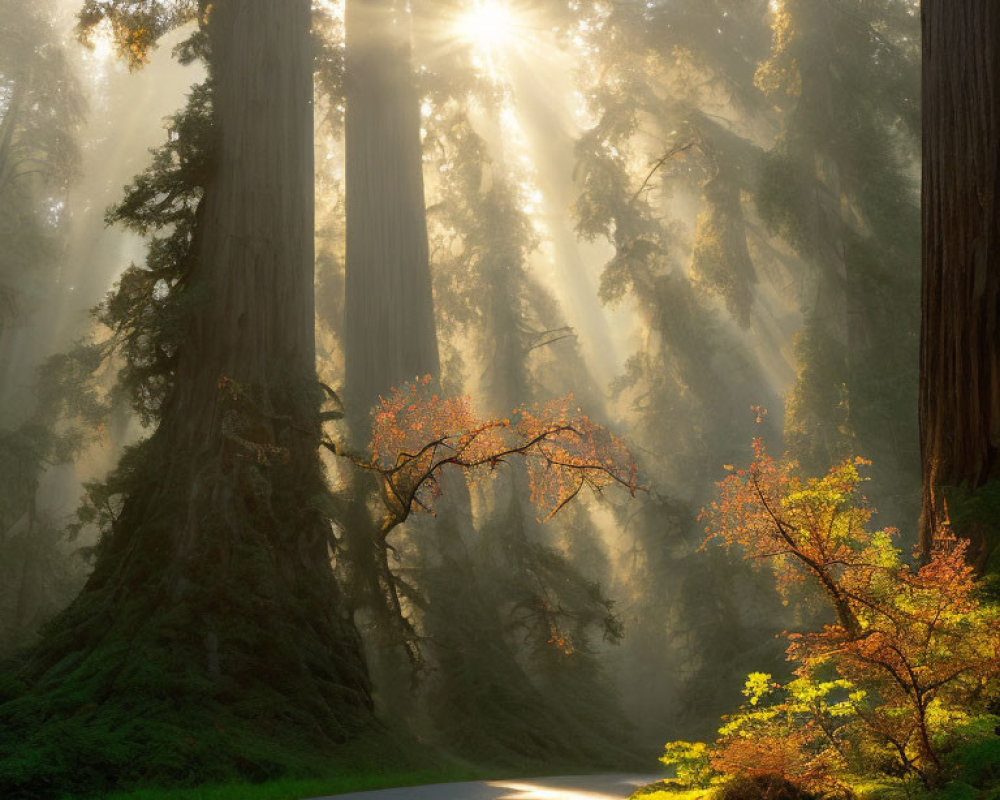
x=960 y=342
x=216 y=576
x=390 y=333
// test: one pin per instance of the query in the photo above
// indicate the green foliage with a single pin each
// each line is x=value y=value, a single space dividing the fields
x=40 y=109
x=151 y=304
x=691 y=762
x=97 y=746
x=354 y=778
x=137 y=27
x=975 y=758
x=39 y=573
x=979 y=509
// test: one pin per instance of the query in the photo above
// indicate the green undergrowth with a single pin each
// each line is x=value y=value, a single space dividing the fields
x=78 y=743
x=295 y=789
x=82 y=738
x=367 y=773
x=671 y=794
x=973 y=768
x=861 y=790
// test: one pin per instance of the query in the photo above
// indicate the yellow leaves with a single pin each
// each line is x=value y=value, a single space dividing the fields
x=758 y=684
x=690 y=761
x=779 y=74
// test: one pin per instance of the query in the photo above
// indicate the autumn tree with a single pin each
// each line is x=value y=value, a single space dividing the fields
x=888 y=685
x=417 y=437
x=960 y=359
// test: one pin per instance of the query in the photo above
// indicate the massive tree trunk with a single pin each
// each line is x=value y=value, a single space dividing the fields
x=213 y=599
x=960 y=342
x=390 y=333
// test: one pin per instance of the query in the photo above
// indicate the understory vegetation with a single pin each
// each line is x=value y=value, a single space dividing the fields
x=895 y=695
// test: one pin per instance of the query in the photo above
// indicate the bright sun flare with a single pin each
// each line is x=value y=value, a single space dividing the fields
x=488 y=25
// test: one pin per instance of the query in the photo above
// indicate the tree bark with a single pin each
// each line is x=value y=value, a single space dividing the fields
x=218 y=568
x=960 y=340
x=390 y=330
x=390 y=333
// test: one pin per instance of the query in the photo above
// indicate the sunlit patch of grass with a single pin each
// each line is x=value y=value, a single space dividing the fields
x=295 y=789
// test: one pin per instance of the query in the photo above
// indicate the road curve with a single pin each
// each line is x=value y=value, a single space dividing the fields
x=572 y=787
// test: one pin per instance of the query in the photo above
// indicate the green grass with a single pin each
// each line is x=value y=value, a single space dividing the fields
x=295 y=789
x=298 y=788
x=375 y=778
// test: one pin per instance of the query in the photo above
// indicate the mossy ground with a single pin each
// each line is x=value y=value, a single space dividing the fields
x=295 y=789
x=361 y=776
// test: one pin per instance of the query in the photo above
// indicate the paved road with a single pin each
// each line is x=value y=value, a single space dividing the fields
x=574 y=787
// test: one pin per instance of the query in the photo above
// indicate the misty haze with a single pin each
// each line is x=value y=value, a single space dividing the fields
x=497 y=400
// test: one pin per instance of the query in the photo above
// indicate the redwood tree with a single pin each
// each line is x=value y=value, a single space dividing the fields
x=960 y=345
x=390 y=335
x=212 y=601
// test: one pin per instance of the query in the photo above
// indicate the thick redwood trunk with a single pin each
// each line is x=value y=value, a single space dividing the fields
x=390 y=333
x=960 y=342
x=214 y=586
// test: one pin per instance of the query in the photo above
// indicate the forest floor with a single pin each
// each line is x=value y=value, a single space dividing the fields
x=430 y=785
x=575 y=787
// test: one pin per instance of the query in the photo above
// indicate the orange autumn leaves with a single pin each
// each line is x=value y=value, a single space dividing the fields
x=908 y=663
x=417 y=435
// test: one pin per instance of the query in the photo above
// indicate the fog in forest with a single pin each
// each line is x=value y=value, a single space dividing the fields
x=696 y=219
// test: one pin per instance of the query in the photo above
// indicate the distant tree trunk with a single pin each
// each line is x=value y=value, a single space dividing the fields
x=391 y=338
x=8 y=127
x=960 y=342
x=217 y=569
x=390 y=333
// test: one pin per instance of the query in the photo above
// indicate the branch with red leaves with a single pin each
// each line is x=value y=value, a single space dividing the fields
x=417 y=436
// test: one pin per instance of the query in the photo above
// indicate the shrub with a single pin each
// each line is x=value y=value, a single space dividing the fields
x=891 y=686
x=763 y=787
